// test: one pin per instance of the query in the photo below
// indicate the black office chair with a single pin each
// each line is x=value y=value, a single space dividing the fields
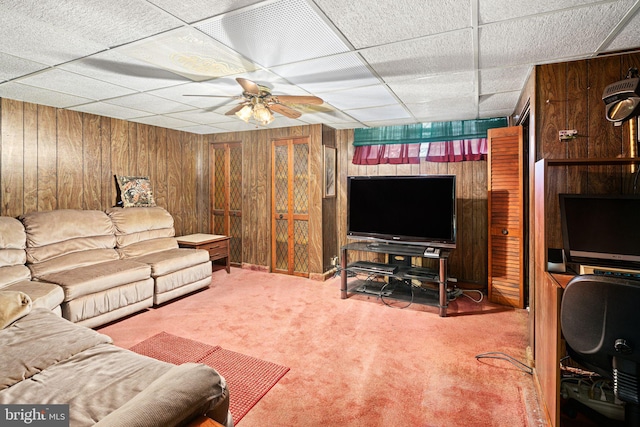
x=600 y=319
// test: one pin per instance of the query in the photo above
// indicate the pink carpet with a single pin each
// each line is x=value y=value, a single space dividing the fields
x=248 y=378
x=356 y=362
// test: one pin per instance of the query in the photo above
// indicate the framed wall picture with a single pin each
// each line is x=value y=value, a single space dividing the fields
x=329 y=172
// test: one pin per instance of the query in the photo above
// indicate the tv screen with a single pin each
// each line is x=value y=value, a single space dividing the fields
x=601 y=229
x=418 y=209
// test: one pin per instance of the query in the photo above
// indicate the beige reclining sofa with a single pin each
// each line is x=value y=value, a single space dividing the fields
x=147 y=235
x=16 y=276
x=75 y=249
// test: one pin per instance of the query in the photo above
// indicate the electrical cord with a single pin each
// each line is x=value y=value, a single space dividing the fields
x=499 y=355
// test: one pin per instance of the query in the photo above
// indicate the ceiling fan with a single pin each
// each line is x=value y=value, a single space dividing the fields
x=259 y=103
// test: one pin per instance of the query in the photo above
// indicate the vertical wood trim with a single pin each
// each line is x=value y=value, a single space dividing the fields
x=30 y=157
x=12 y=157
x=70 y=160
x=47 y=159
x=92 y=162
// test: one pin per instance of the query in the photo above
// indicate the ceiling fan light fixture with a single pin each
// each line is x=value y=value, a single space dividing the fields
x=245 y=113
x=262 y=114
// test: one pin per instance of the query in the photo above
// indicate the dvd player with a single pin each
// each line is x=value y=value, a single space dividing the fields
x=374 y=267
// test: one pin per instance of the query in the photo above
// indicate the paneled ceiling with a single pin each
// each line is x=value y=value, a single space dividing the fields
x=373 y=62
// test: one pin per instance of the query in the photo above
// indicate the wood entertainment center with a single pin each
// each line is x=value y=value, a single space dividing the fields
x=549 y=346
x=403 y=272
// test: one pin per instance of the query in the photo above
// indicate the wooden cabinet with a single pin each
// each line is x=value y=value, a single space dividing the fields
x=290 y=206
x=550 y=180
x=226 y=195
x=506 y=216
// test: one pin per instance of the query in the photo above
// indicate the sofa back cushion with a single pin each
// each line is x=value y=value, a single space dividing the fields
x=142 y=230
x=12 y=252
x=67 y=238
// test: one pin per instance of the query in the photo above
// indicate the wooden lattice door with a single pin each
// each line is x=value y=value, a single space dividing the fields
x=506 y=216
x=226 y=187
x=290 y=207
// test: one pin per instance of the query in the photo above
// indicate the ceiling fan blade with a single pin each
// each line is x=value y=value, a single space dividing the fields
x=285 y=111
x=216 y=96
x=249 y=86
x=297 y=99
x=235 y=109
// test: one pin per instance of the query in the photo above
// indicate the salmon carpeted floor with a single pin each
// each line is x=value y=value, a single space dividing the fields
x=356 y=362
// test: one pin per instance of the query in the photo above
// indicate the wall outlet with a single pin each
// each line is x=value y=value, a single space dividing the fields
x=567 y=134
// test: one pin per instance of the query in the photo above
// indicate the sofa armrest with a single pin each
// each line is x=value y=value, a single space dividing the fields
x=183 y=393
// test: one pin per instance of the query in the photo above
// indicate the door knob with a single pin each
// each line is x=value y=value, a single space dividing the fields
x=505 y=231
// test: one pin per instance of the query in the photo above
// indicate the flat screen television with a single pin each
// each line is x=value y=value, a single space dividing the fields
x=601 y=230
x=416 y=210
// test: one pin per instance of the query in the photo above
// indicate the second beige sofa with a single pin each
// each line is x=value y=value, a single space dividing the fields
x=75 y=249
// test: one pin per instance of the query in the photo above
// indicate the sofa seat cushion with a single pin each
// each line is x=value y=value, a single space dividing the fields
x=43 y=294
x=13 y=274
x=166 y=262
x=94 y=278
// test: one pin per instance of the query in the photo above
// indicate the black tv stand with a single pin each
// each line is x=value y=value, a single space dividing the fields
x=401 y=273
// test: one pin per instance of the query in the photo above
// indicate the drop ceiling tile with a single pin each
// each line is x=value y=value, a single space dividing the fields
x=149 y=104
x=453 y=107
x=20 y=92
x=628 y=37
x=203 y=129
x=495 y=10
x=275 y=32
x=110 y=110
x=360 y=97
x=196 y=10
x=442 y=53
x=499 y=101
x=200 y=116
x=25 y=36
x=189 y=53
x=329 y=73
x=387 y=112
x=322 y=114
x=395 y=122
x=434 y=87
x=13 y=67
x=109 y=23
x=208 y=95
x=114 y=67
x=503 y=79
x=346 y=125
x=163 y=121
x=495 y=113
x=74 y=84
x=543 y=38
x=379 y=22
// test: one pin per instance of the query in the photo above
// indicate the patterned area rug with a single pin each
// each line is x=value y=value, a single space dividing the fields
x=248 y=378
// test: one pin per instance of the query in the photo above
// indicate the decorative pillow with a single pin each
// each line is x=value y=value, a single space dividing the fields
x=135 y=191
x=13 y=305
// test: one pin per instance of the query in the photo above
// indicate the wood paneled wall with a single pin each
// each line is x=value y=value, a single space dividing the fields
x=61 y=159
x=569 y=96
x=468 y=262
x=256 y=198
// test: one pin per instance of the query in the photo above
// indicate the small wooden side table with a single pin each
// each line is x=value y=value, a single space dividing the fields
x=217 y=245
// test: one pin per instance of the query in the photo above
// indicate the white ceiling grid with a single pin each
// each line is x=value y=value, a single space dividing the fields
x=373 y=62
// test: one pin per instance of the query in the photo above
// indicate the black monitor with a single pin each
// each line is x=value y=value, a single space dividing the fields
x=601 y=230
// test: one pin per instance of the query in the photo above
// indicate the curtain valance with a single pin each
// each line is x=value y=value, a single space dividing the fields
x=421 y=133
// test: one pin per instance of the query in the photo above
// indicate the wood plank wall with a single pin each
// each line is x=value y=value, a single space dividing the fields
x=61 y=159
x=256 y=198
x=468 y=262
x=569 y=96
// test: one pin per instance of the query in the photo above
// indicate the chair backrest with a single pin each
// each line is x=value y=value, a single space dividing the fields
x=600 y=319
